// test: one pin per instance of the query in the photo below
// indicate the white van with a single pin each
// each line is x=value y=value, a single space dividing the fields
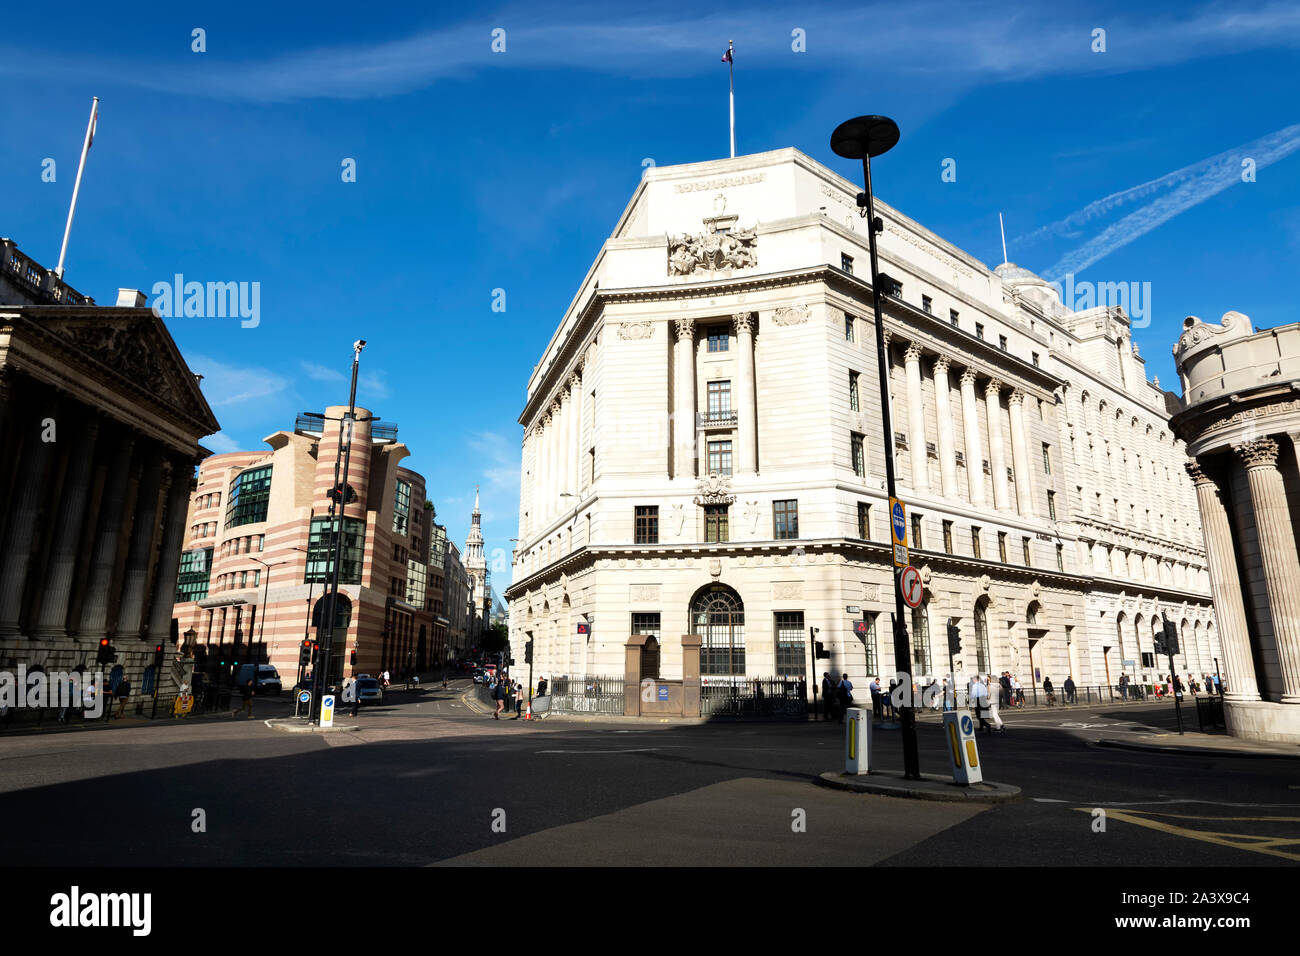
x=268 y=678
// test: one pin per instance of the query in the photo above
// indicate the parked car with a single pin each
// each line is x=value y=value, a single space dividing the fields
x=268 y=678
x=369 y=691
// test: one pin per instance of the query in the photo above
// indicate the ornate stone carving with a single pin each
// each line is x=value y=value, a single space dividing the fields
x=993 y=388
x=744 y=322
x=712 y=252
x=635 y=330
x=1017 y=397
x=751 y=516
x=715 y=567
x=714 y=489
x=130 y=350
x=968 y=376
x=1196 y=472
x=870 y=592
x=787 y=590
x=913 y=353
x=1260 y=453
x=942 y=364
x=796 y=314
x=685 y=328
x=645 y=592
x=676 y=519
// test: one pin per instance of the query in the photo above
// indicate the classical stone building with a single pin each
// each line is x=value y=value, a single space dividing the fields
x=257 y=553
x=480 y=579
x=1241 y=420
x=99 y=425
x=702 y=453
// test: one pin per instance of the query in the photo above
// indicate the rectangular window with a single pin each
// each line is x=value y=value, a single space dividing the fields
x=900 y=441
x=720 y=457
x=1047 y=458
x=1002 y=342
x=1024 y=545
x=1002 y=546
x=975 y=541
x=320 y=551
x=1051 y=505
x=401 y=506
x=947 y=536
x=647 y=524
x=647 y=623
x=416 y=583
x=715 y=524
x=250 y=495
x=1033 y=357
x=859 y=456
x=196 y=569
x=785 y=519
x=719 y=338
x=869 y=642
x=979 y=331
x=719 y=399
x=952 y=316
x=846 y=262
x=927 y=304
x=848 y=328
x=791 y=649
x=1060 y=558
x=853 y=391
x=864 y=521
x=916 y=531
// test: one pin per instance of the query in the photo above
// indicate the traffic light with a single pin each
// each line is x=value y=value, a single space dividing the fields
x=354 y=657
x=107 y=653
x=954 y=640
x=1170 y=643
x=820 y=651
x=315 y=650
x=528 y=651
x=304 y=654
x=338 y=491
x=158 y=657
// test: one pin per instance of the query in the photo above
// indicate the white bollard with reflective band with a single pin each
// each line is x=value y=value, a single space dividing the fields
x=857 y=741
x=963 y=752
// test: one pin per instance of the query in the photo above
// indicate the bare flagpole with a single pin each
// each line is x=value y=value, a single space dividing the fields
x=731 y=80
x=1003 y=227
x=90 y=136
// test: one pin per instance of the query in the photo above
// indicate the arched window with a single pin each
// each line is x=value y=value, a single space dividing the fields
x=1031 y=614
x=342 y=613
x=982 y=659
x=718 y=617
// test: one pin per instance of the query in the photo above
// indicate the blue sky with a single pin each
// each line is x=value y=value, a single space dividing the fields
x=479 y=170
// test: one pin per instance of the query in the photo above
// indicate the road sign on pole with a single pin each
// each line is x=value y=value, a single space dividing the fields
x=909 y=582
x=898 y=521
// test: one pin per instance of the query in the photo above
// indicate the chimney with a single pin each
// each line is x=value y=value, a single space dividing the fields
x=130 y=299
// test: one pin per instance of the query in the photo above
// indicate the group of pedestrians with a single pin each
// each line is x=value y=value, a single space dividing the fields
x=986 y=695
x=837 y=695
x=508 y=693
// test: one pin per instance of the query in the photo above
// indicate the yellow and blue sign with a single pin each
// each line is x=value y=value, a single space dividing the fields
x=898 y=525
x=327 y=710
x=963 y=752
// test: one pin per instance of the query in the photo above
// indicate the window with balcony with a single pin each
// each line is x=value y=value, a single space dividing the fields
x=719 y=401
x=647 y=524
x=785 y=519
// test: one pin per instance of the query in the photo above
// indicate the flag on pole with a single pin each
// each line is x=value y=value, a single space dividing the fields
x=726 y=57
x=731 y=93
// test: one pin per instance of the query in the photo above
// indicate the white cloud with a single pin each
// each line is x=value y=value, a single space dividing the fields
x=221 y=443
x=321 y=373
x=226 y=385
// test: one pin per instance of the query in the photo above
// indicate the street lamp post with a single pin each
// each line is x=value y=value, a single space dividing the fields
x=862 y=138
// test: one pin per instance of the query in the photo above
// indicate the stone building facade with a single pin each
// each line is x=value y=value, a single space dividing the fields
x=1241 y=420
x=702 y=454
x=257 y=553
x=100 y=420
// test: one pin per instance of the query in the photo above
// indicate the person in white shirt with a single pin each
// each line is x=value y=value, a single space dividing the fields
x=978 y=696
x=995 y=702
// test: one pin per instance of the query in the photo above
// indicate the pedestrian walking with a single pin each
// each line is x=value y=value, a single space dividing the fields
x=844 y=696
x=499 y=694
x=828 y=695
x=978 y=697
x=385 y=678
x=122 y=693
x=1070 y=697
x=1050 y=691
x=1020 y=691
x=1005 y=682
x=1123 y=686
x=350 y=695
x=519 y=700
x=246 y=692
x=541 y=687
x=995 y=704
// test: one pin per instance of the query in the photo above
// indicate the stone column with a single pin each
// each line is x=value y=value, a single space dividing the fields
x=94 y=616
x=553 y=445
x=1020 y=454
x=139 y=556
x=1278 y=555
x=575 y=440
x=916 y=419
x=746 y=394
x=173 y=540
x=947 y=443
x=684 y=430
x=1225 y=586
x=997 y=453
x=33 y=475
x=974 y=453
x=565 y=479
x=1098 y=441
x=50 y=616
x=539 y=476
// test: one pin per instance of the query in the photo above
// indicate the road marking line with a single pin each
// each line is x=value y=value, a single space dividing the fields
x=637 y=750
x=1258 y=844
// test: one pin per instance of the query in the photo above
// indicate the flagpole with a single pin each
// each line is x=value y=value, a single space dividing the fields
x=85 y=148
x=1004 y=238
x=731 y=80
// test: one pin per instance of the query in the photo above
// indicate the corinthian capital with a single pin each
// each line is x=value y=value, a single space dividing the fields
x=993 y=388
x=744 y=322
x=913 y=353
x=1197 y=473
x=1260 y=453
x=1016 y=398
x=968 y=376
x=685 y=328
x=942 y=364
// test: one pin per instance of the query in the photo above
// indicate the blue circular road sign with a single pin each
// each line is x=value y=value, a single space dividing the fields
x=900 y=521
x=967 y=725
x=304 y=697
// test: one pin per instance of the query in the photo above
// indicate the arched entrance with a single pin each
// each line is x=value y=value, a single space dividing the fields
x=718 y=618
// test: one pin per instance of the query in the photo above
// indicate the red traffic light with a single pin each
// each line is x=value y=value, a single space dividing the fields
x=103 y=642
x=158 y=649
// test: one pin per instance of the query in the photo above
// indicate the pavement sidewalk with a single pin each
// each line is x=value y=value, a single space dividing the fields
x=1198 y=744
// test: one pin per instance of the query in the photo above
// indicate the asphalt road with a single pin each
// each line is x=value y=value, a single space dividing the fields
x=430 y=780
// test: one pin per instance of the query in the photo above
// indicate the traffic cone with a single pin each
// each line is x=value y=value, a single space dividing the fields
x=529 y=711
